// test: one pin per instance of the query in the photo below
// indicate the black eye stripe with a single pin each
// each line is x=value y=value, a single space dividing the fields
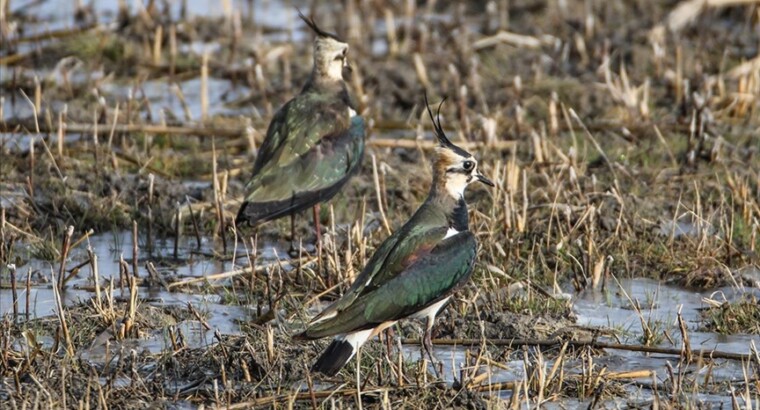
x=458 y=171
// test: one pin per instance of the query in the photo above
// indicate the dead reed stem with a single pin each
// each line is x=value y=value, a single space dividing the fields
x=379 y=194
x=135 y=252
x=218 y=196
x=64 y=255
x=196 y=230
x=177 y=226
x=237 y=272
x=59 y=310
x=93 y=258
x=12 y=269
x=715 y=354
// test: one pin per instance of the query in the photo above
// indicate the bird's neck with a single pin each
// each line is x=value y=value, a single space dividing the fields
x=323 y=84
x=452 y=210
x=326 y=77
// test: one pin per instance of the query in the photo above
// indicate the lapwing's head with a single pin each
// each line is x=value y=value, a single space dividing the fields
x=329 y=52
x=454 y=168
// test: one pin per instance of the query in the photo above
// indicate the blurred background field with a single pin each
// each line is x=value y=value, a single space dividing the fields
x=618 y=263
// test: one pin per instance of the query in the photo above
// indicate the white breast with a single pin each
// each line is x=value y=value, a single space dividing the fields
x=351 y=112
x=451 y=232
x=430 y=311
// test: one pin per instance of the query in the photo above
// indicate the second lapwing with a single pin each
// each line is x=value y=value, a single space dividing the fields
x=314 y=143
x=414 y=272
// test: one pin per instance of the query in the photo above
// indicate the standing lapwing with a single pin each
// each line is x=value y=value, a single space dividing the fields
x=314 y=143
x=414 y=272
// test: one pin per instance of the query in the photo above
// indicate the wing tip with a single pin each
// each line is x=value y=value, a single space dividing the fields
x=244 y=215
x=301 y=337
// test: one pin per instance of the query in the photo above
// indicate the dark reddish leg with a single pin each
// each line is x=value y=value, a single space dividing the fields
x=293 y=251
x=318 y=230
x=427 y=346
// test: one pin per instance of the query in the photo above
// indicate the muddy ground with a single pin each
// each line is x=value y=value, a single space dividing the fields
x=618 y=257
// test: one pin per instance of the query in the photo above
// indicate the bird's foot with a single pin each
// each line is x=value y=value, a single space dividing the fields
x=294 y=250
x=297 y=250
x=436 y=364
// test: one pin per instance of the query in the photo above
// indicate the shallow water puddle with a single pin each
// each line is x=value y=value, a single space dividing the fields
x=612 y=309
x=191 y=262
x=164 y=99
x=659 y=306
x=54 y=14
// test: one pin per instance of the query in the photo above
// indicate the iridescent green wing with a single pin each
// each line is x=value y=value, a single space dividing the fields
x=413 y=240
x=425 y=281
x=275 y=137
x=312 y=145
x=298 y=126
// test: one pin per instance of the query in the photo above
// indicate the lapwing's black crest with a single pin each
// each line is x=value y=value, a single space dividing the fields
x=438 y=129
x=318 y=31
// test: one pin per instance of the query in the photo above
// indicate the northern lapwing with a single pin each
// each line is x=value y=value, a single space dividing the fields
x=415 y=270
x=314 y=143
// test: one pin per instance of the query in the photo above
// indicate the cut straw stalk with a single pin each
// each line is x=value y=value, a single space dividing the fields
x=714 y=354
x=237 y=272
x=135 y=248
x=64 y=255
x=61 y=314
x=270 y=400
x=12 y=269
x=16 y=126
x=55 y=34
x=378 y=191
x=204 y=87
x=687 y=11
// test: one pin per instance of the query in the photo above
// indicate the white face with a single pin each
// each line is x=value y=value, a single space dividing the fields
x=460 y=174
x=330 y=57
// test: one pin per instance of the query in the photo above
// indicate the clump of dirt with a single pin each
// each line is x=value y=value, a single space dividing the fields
x=741 y=316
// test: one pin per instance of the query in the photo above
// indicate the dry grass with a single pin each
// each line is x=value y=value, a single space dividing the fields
x=619 y=150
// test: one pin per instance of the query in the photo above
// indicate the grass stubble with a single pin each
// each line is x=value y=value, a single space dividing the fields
x=621 y=148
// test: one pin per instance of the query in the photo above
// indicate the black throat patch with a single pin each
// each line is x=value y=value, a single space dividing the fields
x=458 y=218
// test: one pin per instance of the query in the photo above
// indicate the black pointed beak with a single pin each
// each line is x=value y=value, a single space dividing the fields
x=348 y=70
x=484 y=180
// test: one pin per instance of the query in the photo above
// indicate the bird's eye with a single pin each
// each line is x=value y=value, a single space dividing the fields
x=341 y=56
x=468 y=165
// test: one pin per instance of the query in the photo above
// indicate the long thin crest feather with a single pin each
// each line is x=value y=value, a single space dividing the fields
x=442 y=138
x=437 y=124
x=313 y=25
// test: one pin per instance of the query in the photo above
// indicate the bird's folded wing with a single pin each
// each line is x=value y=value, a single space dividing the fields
x=422 y=283
x=298 y=126
x=394 y=254
x=328 y=161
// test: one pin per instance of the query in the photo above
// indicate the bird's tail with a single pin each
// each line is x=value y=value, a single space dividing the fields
x=334 y=357
x=340 y=351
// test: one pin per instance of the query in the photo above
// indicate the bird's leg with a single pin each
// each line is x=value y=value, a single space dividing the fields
x=318 y=230
x=389 y=336
x=293 y=252
x=427 y=344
